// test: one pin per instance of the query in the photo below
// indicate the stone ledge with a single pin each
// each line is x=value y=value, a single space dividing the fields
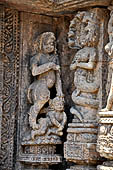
x=49 y=7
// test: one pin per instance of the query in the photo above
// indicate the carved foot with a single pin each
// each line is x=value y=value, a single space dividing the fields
x=78 y=114
x=60 y=133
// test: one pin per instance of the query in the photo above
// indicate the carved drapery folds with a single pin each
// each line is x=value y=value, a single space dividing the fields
x=105 y=133
x=84 y=36
x=46 y=118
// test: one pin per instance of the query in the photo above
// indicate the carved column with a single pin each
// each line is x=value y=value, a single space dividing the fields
x=85 y=35
x=105 y=134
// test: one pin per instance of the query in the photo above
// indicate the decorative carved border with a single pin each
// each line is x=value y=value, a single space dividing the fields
x=9 y=49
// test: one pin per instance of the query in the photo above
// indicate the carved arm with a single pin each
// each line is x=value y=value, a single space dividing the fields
x=92 y=59
x=89 y=65
x=64 y=119
x=53 y=119
x=59 y=84
x=37 y=70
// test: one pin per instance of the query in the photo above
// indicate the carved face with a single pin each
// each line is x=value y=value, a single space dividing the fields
x=83 y=31
x=57 y=104
x=49 y=44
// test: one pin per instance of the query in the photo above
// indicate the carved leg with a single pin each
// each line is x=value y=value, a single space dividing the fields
x=110 y=98
x=82 y=101
x=43 y=126
x=55 y=131
x=38 y=105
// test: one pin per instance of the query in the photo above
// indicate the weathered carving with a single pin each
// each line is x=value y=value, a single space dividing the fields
x=84 y=62
x=45 y=66
x=9 y=57
x=54 y=121
x=32 y=114
x=80 y=167
x=105 y=134
x=53 y=6
x=106 y=166
x=81 y=139
x=46 y=115
x=109 y=50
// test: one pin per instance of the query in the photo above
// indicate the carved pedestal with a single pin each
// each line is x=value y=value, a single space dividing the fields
x=40 y=154
x=106 y=166
x=80 y=167
x=105 y=135
x=80 y=147
x=105 y=138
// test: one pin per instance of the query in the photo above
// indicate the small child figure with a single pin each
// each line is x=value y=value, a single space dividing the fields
x=57 y=116
x=55 y=119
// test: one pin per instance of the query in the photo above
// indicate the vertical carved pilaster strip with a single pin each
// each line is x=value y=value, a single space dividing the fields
x=10 y=55
x=1 y=68
x=105 y=133
x=86 y=35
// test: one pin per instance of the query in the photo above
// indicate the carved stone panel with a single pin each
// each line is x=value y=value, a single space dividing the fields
x=105 y=135
x=41 y=116
x=9 y=64
x=53 y=7
x=84 y=36
x=54 y=73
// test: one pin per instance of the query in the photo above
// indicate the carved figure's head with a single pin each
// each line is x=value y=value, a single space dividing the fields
x=45 y=43
x=57 y=104
x=83 y=30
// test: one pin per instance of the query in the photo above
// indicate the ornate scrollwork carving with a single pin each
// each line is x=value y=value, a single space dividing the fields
x=9 y=53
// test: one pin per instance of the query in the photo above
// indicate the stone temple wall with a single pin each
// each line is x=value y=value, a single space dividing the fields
x=56 y=85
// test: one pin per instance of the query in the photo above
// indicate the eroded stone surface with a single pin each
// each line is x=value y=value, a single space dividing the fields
x=32 y=115
x=53 y=6
x=81 y=139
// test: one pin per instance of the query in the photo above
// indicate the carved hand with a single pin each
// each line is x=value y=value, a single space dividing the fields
x=73 y=66
x=56 y=67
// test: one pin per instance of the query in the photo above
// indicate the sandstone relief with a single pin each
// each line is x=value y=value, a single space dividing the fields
x=56 y=85
x=105 y=133
x=45 y=67
x=46 y=116
x=84 y=37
